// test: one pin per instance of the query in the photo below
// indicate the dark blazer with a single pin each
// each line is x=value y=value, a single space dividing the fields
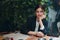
x=31 y=24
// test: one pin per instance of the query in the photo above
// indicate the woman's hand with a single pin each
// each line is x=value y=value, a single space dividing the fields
x=37 y=34
x=42 y=17
x=32 y=33
x=40 y=21
x=40 y=34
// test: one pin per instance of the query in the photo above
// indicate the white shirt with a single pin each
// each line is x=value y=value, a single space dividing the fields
x=37 y=26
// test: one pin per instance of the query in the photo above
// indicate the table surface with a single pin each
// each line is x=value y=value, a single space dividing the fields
x=17 y=36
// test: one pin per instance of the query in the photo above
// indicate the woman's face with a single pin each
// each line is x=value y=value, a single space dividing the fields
x=39 y=12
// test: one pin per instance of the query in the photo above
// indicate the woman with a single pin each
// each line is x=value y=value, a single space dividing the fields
x=36 y=25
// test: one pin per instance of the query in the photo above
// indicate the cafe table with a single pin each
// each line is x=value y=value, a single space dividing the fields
x=19 y=36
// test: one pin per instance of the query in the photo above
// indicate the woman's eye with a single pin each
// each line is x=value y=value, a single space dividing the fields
x=39 y=11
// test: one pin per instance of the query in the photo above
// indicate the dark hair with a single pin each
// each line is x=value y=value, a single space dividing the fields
x=40 y=6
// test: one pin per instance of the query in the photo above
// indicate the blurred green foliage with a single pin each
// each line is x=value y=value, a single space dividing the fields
x=17 y=11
